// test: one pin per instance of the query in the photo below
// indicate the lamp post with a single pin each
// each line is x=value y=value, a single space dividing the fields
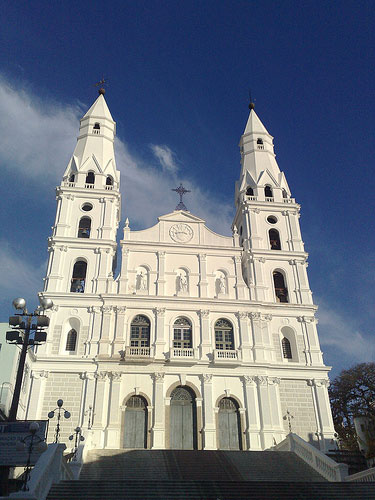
x=24 y=325
x=78 y=438
x=59 y=409
x=31 y=441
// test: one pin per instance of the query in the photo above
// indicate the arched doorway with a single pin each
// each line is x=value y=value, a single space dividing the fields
x=229 y=425
x=135 y=429
x=183 y=419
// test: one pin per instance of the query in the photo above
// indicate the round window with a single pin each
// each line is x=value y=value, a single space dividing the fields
x=271 y=219
x=86 y=207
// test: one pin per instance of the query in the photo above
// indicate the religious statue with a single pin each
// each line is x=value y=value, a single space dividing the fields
x=182 y=283
x=222 y=285
x=141 y=281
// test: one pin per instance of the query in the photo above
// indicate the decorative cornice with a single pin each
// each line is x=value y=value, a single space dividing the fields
x=120 y=309
x=261 y=380
x=159 y=311
x=242 y=315
x=158 y=377
x=106 y=309
x=248 y=380
x=203 y=313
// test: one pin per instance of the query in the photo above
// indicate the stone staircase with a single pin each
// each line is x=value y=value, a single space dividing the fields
x=198 y=475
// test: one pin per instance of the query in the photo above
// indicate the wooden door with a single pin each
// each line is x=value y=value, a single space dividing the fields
x=135 y=423
x=182 y=420
x=229 y=425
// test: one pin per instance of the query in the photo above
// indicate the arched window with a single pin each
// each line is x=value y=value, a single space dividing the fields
x=274 y=239
x=72 y=178
x=182 y=334
x=79 y=277
x=224 y=335
x=285 y=194
x=109 y=181
x=250 y=191
x=97 y=126
x=268 y=192
x=281 y=291
x=84 y=227
x=71 y=340
x=90 y=178
x=259 y=141
x=287 y=349
x=140 y=331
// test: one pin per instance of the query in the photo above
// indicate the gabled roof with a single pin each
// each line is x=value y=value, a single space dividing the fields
x=180 y=216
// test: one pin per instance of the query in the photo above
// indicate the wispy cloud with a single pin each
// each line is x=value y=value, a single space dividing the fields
x=338 y=331
x=166 y=157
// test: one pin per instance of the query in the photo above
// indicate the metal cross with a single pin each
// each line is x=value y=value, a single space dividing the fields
x=181 y=191
x=288 y=416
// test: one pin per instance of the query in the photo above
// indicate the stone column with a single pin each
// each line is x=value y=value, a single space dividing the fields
x=120 y=331
x=87 y=411
x=264 y=412
x=64 y=214
x=303 y=282
x=326 y=431
x=203 y=283
x=245 y=345
x=100 y=408
x=160 y=282
x=252 y=430
x=209 y=430
x=108 y=222
x=158 y=429
x=240 y=284
x=295 y=232
x=114 y=424
x=310 y=334
x=96 y=328
x=255 y=239
x=106 y=333
x=275 y=405
x=258 y=345
x=159 y=338
x=260 y=287
x=206 y=343
x=124 y=279
x=36 y=399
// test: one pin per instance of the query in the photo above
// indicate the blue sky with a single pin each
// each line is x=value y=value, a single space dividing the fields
x=179 y=76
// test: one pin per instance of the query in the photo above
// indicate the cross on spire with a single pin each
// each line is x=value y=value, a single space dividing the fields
x=181 y=191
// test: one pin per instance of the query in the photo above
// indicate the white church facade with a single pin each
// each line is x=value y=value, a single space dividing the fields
x=202 y=341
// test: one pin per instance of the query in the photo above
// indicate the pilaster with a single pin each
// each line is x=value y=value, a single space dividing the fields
x=158 y=429
x=160 y=282
x=113 y=437
x=203 y=283
x=252 y=414
x=245 y=344
x=206 y=344
x=209 y=430
x=160 y=338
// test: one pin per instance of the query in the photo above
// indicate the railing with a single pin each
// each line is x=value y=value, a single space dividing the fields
x=69 y=184
x=225 y=355
x=289 y=200
x=186 y=352
x=49 y=469
x=89 y=185
x=109 y=188
x=270 y=199
x=325 y=466
x=137 y=352
x=365 y=476
x=96 y=131
x=251 y=198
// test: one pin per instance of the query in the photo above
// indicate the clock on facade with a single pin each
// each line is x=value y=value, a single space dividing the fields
x=181 y=233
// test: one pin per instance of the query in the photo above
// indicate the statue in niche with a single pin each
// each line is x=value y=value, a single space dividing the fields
x=141 y=281
x=222 y=286
x=182 y=283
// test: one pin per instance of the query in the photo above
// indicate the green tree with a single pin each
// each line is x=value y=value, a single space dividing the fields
x=352 y=393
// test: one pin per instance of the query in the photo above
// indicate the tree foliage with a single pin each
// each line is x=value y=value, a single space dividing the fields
x=352 y=393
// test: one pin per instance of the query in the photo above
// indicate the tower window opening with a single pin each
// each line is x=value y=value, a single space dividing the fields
x=271 y=219
x=224 y=335
x=182 y=334
x=259 y=141
x=84 y=228
x=96 y=128
x=285 y=194
x=109 y=181
x=274 y=239
x=268 y=192
x=249 y=191
x=72 y=178
x=287 y=349
x=86 y=207
x=90 y=178
x=71 y=340
x=79 y=277
x=140 y=331
x=281 y=291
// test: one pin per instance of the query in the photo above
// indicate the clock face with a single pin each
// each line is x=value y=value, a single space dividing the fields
x=181 y=233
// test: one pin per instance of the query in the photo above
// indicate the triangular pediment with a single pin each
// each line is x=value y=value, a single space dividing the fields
x=180 y=216
x=267 y=178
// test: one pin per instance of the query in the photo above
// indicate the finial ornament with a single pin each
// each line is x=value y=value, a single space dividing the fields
x=181 y=191
x=101 y=84
x=251 y=104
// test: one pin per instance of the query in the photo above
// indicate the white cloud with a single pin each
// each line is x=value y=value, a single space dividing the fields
x=166 y=157
x=338 y=331
x=38 y=138
x=19 y=276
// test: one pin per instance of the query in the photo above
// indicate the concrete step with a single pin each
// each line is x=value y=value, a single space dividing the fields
x=209 y=490
x=197 y=465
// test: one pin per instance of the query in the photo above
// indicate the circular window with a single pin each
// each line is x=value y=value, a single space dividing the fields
x=86 y=207
x=271 y=219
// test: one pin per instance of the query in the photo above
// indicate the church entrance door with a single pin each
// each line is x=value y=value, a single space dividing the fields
x=183 y=425
x=135 y=432
x=229 y=425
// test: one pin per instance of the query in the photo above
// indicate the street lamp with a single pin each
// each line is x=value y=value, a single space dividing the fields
x=78 y=438
x=23 y=325
x=31 y=442
x=59 y=409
